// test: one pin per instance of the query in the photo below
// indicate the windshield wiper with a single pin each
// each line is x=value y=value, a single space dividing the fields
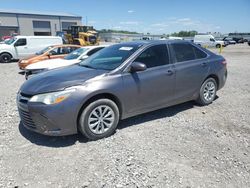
x=87 y=66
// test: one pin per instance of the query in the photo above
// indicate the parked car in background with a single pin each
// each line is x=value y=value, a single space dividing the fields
x=50 y=52
x=208 y=41
x=74 y=57
x=229 y=40
x=249 y=42
x=118 y=82
x=20 y=47
x=238 y=39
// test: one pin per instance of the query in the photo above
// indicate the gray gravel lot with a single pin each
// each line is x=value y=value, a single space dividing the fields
x=181 y=146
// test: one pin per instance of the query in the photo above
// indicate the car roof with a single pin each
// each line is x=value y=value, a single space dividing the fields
x=65 y=45
x=92 y=47
x=151 y=42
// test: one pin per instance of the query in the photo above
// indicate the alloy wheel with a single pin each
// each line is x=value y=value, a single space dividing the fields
x=101 y=119
x=209 y=91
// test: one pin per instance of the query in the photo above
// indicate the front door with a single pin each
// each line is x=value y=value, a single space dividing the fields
x=21 y=48
x=153 y=87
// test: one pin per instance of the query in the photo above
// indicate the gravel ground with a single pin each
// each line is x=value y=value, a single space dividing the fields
x=181 y=146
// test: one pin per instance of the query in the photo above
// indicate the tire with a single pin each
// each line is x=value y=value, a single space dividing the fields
x=218 y=46
x=206 y=94
x=95 y=126
x=5 y=58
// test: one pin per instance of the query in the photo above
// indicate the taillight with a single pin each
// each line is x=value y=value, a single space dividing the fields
x=224 y=62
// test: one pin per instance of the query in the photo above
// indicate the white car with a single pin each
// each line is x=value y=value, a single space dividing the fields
x=20 y=47
x=208 y=41
x=72 y=58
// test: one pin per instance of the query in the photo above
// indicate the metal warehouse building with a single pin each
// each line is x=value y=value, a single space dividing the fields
x=35 y=23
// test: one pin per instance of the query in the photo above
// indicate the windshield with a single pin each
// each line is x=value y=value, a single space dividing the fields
x=111 y=57
x=76 y=53
x=10 y=41
x=44 y=50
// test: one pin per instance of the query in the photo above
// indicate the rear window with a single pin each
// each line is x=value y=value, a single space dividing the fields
x=187 y=52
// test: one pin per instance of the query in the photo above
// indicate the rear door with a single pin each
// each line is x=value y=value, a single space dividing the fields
x=191 y=68
x=153 y=87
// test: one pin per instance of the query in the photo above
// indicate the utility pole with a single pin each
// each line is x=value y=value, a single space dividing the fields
x=86 y=20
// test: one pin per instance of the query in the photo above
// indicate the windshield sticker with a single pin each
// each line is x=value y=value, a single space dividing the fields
x=126 y=48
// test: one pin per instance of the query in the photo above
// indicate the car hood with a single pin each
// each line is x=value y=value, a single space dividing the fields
x=32 y=57
x=51 y=64
x=59 y=79
x=4 y=46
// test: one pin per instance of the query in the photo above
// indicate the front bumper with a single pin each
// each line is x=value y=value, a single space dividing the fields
x=51 y=120
x=22 y=65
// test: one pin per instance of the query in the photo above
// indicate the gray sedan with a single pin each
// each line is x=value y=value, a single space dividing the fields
x=118 y=82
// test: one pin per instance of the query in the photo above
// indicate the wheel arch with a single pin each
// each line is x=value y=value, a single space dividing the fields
x=6 y=53
x=110 y=96
x=214 y=77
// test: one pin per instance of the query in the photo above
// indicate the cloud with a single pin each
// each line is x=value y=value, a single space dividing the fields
x=129 y=23
x=185 y=22
x=117 y=27
x=131 y=11
x=159 y=25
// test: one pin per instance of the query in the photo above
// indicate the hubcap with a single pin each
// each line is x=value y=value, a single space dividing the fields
x=101 y=119
x=6 y=58
x=209 y=91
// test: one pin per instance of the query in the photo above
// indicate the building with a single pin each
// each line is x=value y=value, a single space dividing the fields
x=35 y=22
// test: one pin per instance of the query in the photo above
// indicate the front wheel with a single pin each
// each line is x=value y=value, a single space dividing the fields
x=207 y=92
x=99 y=119
x=5 y=58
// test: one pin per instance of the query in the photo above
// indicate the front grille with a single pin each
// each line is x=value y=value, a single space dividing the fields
x=26 y=119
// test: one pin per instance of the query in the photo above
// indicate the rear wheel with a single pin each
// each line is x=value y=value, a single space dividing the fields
x=207 y=92
x=99 y=119
x=5 y=58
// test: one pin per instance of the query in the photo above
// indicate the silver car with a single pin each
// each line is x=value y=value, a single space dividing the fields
x=118 y=82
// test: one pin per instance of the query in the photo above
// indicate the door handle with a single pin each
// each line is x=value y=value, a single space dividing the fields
x=204 y=64
x=170 y=72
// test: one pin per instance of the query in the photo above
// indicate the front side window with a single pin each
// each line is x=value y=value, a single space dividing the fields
x=21 y=42
x=154 y=56
x=44 y=50
x=55 y=51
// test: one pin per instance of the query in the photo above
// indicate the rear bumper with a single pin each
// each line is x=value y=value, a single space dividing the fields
x=222 y=77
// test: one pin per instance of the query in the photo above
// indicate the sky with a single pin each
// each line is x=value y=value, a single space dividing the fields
x=145 y=16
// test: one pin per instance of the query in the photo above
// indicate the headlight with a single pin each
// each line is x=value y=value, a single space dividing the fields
x=52 y=98
x=24 y=61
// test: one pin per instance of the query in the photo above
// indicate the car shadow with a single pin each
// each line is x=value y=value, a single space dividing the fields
x=50 y=141
x=158 y=114
x=64 y=141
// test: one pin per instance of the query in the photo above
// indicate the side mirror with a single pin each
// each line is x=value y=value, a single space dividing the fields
x=137 y=66
x=84 y=57
x=49 y=54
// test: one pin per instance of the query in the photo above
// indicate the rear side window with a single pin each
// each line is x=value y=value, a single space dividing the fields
x=187 y=52
x=199 y=54
x=154 y=56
